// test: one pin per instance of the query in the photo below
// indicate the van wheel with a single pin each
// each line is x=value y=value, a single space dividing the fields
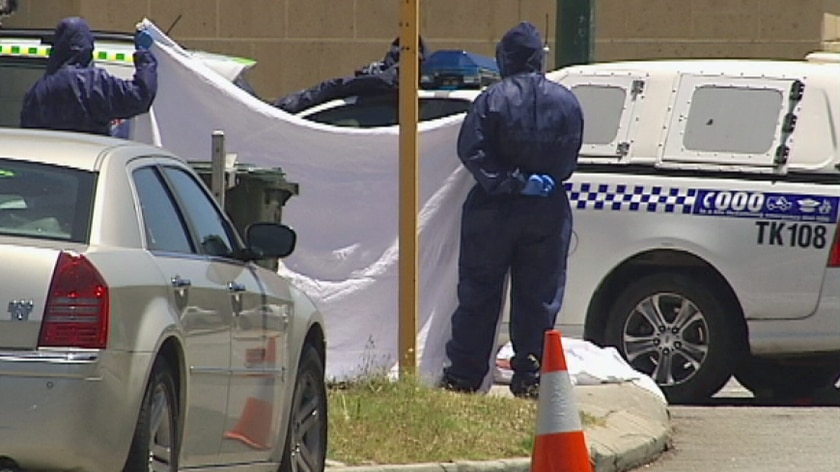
x=779 y=379
x=306 y=436
x=676 y=330
x=155 y=446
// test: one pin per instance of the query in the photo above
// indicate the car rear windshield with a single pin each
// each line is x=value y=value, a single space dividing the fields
x=45 y=201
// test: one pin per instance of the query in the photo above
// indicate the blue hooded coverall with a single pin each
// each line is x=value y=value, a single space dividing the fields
x=522 y=125
x=73 y=95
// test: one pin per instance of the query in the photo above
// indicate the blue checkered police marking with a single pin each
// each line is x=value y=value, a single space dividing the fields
x=622 y=197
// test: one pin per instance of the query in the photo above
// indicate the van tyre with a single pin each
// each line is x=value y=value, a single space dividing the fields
x=306 y=436
x=680 y=332
x=156 y=444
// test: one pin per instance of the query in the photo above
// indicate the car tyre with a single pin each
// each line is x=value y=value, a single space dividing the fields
x=156 y=444
x=673 y=328
x=306 y=436
x=774 y=379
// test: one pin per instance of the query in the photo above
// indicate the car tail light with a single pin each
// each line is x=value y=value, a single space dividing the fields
x=834 y=258
x=78 y=311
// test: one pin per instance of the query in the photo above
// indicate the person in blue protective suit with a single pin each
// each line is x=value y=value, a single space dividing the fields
x=374 y=78
x=520 y=141
x=74 y=95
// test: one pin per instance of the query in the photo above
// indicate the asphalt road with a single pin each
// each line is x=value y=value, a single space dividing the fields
x=736 y=433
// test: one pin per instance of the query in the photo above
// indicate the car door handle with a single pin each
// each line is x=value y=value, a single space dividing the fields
x=179 y=282
x=236 y=287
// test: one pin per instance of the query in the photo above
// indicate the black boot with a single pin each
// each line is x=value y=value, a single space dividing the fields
x=457 y=384
x=525 y=387
x=526 y=377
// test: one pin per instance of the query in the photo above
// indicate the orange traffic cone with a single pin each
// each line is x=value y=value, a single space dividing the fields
x=560 y=445
x=254 y=425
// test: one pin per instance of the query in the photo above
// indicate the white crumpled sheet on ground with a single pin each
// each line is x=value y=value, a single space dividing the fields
x=587 y=364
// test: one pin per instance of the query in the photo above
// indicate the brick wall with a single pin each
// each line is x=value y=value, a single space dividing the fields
x=300 y=42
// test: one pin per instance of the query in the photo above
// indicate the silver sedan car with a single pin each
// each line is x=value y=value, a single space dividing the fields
x=137 y=332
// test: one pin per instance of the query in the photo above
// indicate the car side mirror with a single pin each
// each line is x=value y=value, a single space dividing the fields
x=269 y=240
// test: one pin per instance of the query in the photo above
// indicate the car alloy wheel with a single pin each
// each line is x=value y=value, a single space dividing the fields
x=681 y=331
x=155 y=444
x=306 y=445
x=667 y=336
x=161 y=431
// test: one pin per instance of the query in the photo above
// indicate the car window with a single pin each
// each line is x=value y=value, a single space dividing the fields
x=164 y=226
x=45 y=201
x=379 y=111
x=16 y=76
x=214 y=234
x=363 y=114
x=434 y=108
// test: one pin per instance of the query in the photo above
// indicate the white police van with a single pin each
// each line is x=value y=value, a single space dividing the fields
x=706 y=221
x=705 y=213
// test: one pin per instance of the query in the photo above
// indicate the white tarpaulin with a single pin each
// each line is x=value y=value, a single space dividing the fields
x=346 y=215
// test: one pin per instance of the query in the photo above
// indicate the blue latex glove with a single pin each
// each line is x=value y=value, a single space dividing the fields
x=143 y=40
x=549 y=183
x=539 y=185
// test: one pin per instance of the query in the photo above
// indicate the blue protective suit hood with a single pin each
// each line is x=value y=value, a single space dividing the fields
x=72 y=45
x=520 y=50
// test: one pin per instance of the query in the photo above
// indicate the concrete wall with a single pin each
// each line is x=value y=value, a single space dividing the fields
x=300 y=42
x=708 y=28
x=831 y=25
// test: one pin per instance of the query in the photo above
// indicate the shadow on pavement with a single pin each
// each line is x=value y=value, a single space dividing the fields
x=825 y=398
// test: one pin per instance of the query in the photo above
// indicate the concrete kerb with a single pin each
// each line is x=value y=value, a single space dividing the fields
x=500 y=465
x=635 y=430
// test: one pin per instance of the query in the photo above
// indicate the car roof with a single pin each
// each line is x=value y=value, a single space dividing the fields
x=76 y=150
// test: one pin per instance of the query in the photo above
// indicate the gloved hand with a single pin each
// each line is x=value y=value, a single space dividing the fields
x=143 y=40
x=540 y=185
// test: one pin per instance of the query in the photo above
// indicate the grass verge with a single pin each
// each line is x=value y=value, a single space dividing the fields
x=377 y=421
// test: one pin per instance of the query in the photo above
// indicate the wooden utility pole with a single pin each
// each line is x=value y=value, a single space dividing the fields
x=409 y=73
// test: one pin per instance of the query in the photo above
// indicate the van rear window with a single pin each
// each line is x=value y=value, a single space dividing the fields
x=604 y=102
x=45 y=201
x=732 y=119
